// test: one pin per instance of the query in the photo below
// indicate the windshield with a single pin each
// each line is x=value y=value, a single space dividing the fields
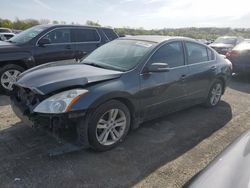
x=226 y=40
x=28 y=34
x=120 y=55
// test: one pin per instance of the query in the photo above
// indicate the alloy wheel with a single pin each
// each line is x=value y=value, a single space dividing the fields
x=216 y=94
x=8 y=78
x=111 y=127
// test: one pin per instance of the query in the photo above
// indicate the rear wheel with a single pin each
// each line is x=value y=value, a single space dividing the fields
x=8 y=76
x=215 y=94
x=108 y=125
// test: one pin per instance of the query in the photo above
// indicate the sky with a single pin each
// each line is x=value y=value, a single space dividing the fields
x=149 y=14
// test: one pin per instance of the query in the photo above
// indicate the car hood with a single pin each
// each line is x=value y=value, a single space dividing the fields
x=230 y=169
x=10 y=47
x=221 y=45
x=51 y=77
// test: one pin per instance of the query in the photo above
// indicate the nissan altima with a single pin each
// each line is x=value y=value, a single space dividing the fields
x=120 y=85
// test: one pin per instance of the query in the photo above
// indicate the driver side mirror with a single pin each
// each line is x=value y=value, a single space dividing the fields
x=43 y=42
x=158 y=67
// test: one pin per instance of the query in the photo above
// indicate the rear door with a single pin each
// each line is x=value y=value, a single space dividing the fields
x=202 y=68
x=164 y=92
x=60 y=47
x=86 y=41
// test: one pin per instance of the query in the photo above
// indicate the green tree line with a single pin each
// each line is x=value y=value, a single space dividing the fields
x=193 y=32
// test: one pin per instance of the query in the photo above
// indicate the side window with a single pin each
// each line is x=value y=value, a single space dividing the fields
x=171 y=53
x=86 y=35
x=210 y=54
x=59 y=36
x=196 y=53
x=110 y=34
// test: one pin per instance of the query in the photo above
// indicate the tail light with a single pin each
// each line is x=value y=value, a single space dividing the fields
x=231 y=54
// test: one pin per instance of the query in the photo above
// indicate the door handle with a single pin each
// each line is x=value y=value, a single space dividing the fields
x=68 y=47
x=183 y=77
x=213 y=68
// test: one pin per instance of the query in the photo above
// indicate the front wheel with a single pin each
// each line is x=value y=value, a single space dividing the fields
x=8 y=76
x=108 y=125
x=215 y=94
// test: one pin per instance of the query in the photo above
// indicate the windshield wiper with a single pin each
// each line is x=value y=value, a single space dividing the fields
x=102 y=66
x=94 y=64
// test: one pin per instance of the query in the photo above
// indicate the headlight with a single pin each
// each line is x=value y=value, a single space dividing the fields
x=61 y=102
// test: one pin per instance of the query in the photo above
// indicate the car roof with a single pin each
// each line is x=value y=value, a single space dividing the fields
x=68 y=25
x=154 y=38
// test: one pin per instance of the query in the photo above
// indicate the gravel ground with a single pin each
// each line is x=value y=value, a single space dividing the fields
x=165 y=152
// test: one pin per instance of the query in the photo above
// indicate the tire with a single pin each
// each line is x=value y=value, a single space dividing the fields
x=101 y=124
x=215 y=94
x=9 y=73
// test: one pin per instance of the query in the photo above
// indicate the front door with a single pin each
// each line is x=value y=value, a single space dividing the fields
x=59 y=48
x=164 y=92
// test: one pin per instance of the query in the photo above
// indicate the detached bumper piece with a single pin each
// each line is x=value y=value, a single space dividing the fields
x=68 y=129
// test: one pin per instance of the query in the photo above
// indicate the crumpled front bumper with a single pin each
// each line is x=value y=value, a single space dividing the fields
x=39 y=119
x=54 y=124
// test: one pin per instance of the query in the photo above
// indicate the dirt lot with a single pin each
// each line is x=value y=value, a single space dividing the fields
x=166 y=152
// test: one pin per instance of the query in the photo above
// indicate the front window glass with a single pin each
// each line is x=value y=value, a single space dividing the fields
x=171 y=53
x=120 y=55
x=58 y=36
x=28 y=34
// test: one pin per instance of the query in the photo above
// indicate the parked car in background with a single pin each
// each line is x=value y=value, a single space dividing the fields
x=224 y=44
x=47 y=43
x=120 y=85
x=6 y=36
x=240 y=57
x=230 y=169
x=5 y=30
x=203 y=41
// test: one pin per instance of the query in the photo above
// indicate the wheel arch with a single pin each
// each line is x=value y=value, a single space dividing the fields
x=15 y=62
x=124 y=98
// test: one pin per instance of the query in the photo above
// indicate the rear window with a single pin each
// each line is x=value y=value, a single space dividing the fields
x=86 y=35
x=196 y=53
x=110 y=34
x=210 y=54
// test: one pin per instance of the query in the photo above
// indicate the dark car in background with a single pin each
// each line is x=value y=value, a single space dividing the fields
x=47 y=43
x=240 y=57
x=226 y=43
x=120 y=85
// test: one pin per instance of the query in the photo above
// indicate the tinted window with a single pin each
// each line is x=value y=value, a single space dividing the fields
x=196 y=53
x=86 y=35
x=210 y=54
x=172 y=54
x=58 y=36
x=110 y=34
